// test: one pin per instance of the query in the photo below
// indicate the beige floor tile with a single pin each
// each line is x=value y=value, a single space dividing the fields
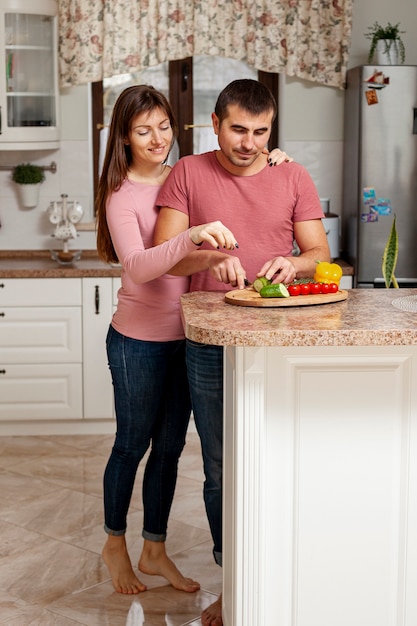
x=14 y=450
x=99 y=444
x=51 y=529
x=79 y=470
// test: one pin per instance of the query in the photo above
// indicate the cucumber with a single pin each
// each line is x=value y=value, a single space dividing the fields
x=260 y=282
x=277 y=290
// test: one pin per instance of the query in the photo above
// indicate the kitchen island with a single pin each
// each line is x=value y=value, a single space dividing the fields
x=320 y=459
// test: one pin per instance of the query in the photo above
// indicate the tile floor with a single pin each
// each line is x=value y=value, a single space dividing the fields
x=51 y=572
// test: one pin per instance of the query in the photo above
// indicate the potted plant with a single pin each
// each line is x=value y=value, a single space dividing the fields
x=389 y=259
x=386 y=44
x=28 y=177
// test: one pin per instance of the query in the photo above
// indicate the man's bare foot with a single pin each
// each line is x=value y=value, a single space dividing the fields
x=155 y=562
x=118 y=563
x=212 y=615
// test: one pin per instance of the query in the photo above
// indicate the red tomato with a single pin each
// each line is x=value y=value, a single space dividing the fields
x=324 y=288
x=315 y=288
x=294 y=290
x=304 y=289
x=333 y=288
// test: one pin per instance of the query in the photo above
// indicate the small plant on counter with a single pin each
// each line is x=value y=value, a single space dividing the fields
x=28 y=174
x=390 y=34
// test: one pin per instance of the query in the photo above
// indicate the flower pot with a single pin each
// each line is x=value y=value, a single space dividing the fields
x=387 y=52
x=29 y=195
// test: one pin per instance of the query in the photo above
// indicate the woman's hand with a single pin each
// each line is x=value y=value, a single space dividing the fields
x=215 y=233
x=277 y=156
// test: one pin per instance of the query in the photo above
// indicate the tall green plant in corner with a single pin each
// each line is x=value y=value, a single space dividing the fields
x=389 y=260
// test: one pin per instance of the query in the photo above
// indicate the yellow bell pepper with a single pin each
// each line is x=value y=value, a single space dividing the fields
x=328 y=273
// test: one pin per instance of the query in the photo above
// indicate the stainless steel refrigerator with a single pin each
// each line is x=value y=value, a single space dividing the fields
x=380 y=171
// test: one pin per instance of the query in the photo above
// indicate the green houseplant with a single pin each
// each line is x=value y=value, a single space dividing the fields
x=389 y=259
x=390 y=36
x=28 y=174
x=28 y=177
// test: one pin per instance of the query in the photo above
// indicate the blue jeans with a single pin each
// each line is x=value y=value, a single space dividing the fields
x=152 y=404
x=205 y=376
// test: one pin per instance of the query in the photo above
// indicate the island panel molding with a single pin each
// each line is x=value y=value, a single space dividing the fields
x=320 y=483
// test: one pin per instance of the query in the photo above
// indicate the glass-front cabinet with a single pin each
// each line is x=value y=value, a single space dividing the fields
x=28 y=75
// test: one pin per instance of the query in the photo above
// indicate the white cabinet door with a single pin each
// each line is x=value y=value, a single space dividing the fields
x=40 y=335
x=28 y=74
x=40 y=392
x=97 y=314
x=44 y=292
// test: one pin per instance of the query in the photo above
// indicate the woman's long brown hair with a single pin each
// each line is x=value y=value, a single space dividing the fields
x=132 y=102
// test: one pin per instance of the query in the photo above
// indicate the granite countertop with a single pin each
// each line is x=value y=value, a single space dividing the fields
x=366 y=318
x=39 y=264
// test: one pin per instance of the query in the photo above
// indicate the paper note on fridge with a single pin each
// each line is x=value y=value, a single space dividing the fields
x=369 y=195
x=383 y=206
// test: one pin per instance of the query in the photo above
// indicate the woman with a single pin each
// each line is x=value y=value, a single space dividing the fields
x=145 y=341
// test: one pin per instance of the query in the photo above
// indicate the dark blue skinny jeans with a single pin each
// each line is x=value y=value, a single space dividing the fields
x=205 y=376
x=152 y=405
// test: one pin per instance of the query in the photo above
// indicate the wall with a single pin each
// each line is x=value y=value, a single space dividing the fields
x=311 y=131
x=29 y=229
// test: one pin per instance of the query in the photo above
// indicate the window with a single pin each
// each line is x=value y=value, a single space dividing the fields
x=191 y=85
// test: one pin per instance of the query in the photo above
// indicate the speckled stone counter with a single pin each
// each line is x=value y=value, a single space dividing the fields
x=366 y=318
x=39 y=264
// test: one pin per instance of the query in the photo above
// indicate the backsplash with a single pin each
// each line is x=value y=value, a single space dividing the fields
x=30 y=229
x=324 y=162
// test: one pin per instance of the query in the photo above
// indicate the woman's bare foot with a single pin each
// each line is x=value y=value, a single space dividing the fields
x=212 y=615
x=118 y=563
x=155 y=562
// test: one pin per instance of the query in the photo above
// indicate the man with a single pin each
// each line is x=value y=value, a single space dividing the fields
x=267 y=209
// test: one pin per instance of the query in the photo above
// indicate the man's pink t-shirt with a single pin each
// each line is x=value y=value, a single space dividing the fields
x=148 y=300
x=260 y=209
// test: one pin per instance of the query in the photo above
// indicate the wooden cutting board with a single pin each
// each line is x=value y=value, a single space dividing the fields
x=250 y=297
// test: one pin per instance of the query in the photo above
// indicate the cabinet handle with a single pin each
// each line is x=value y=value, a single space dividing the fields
x=2 y=313
x=2 y=284
x=2 y=371
x=97 y=299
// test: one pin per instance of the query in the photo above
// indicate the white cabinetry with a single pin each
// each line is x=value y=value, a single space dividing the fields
x=97 y=313
x=28 y=75
x=40 y=353
x=54 y=376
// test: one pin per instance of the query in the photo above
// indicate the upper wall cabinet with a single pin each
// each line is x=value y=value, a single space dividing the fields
x=28 y=75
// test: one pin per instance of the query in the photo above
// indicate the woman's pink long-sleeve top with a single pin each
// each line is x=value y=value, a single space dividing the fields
x=149 y=300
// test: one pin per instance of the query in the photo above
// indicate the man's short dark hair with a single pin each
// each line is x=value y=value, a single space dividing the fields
x=250 y=95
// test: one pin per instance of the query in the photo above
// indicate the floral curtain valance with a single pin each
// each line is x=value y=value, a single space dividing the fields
x=308 y=38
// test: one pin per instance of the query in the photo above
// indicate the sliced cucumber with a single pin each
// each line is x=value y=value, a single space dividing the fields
x=277 y=290
x=258 y=283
